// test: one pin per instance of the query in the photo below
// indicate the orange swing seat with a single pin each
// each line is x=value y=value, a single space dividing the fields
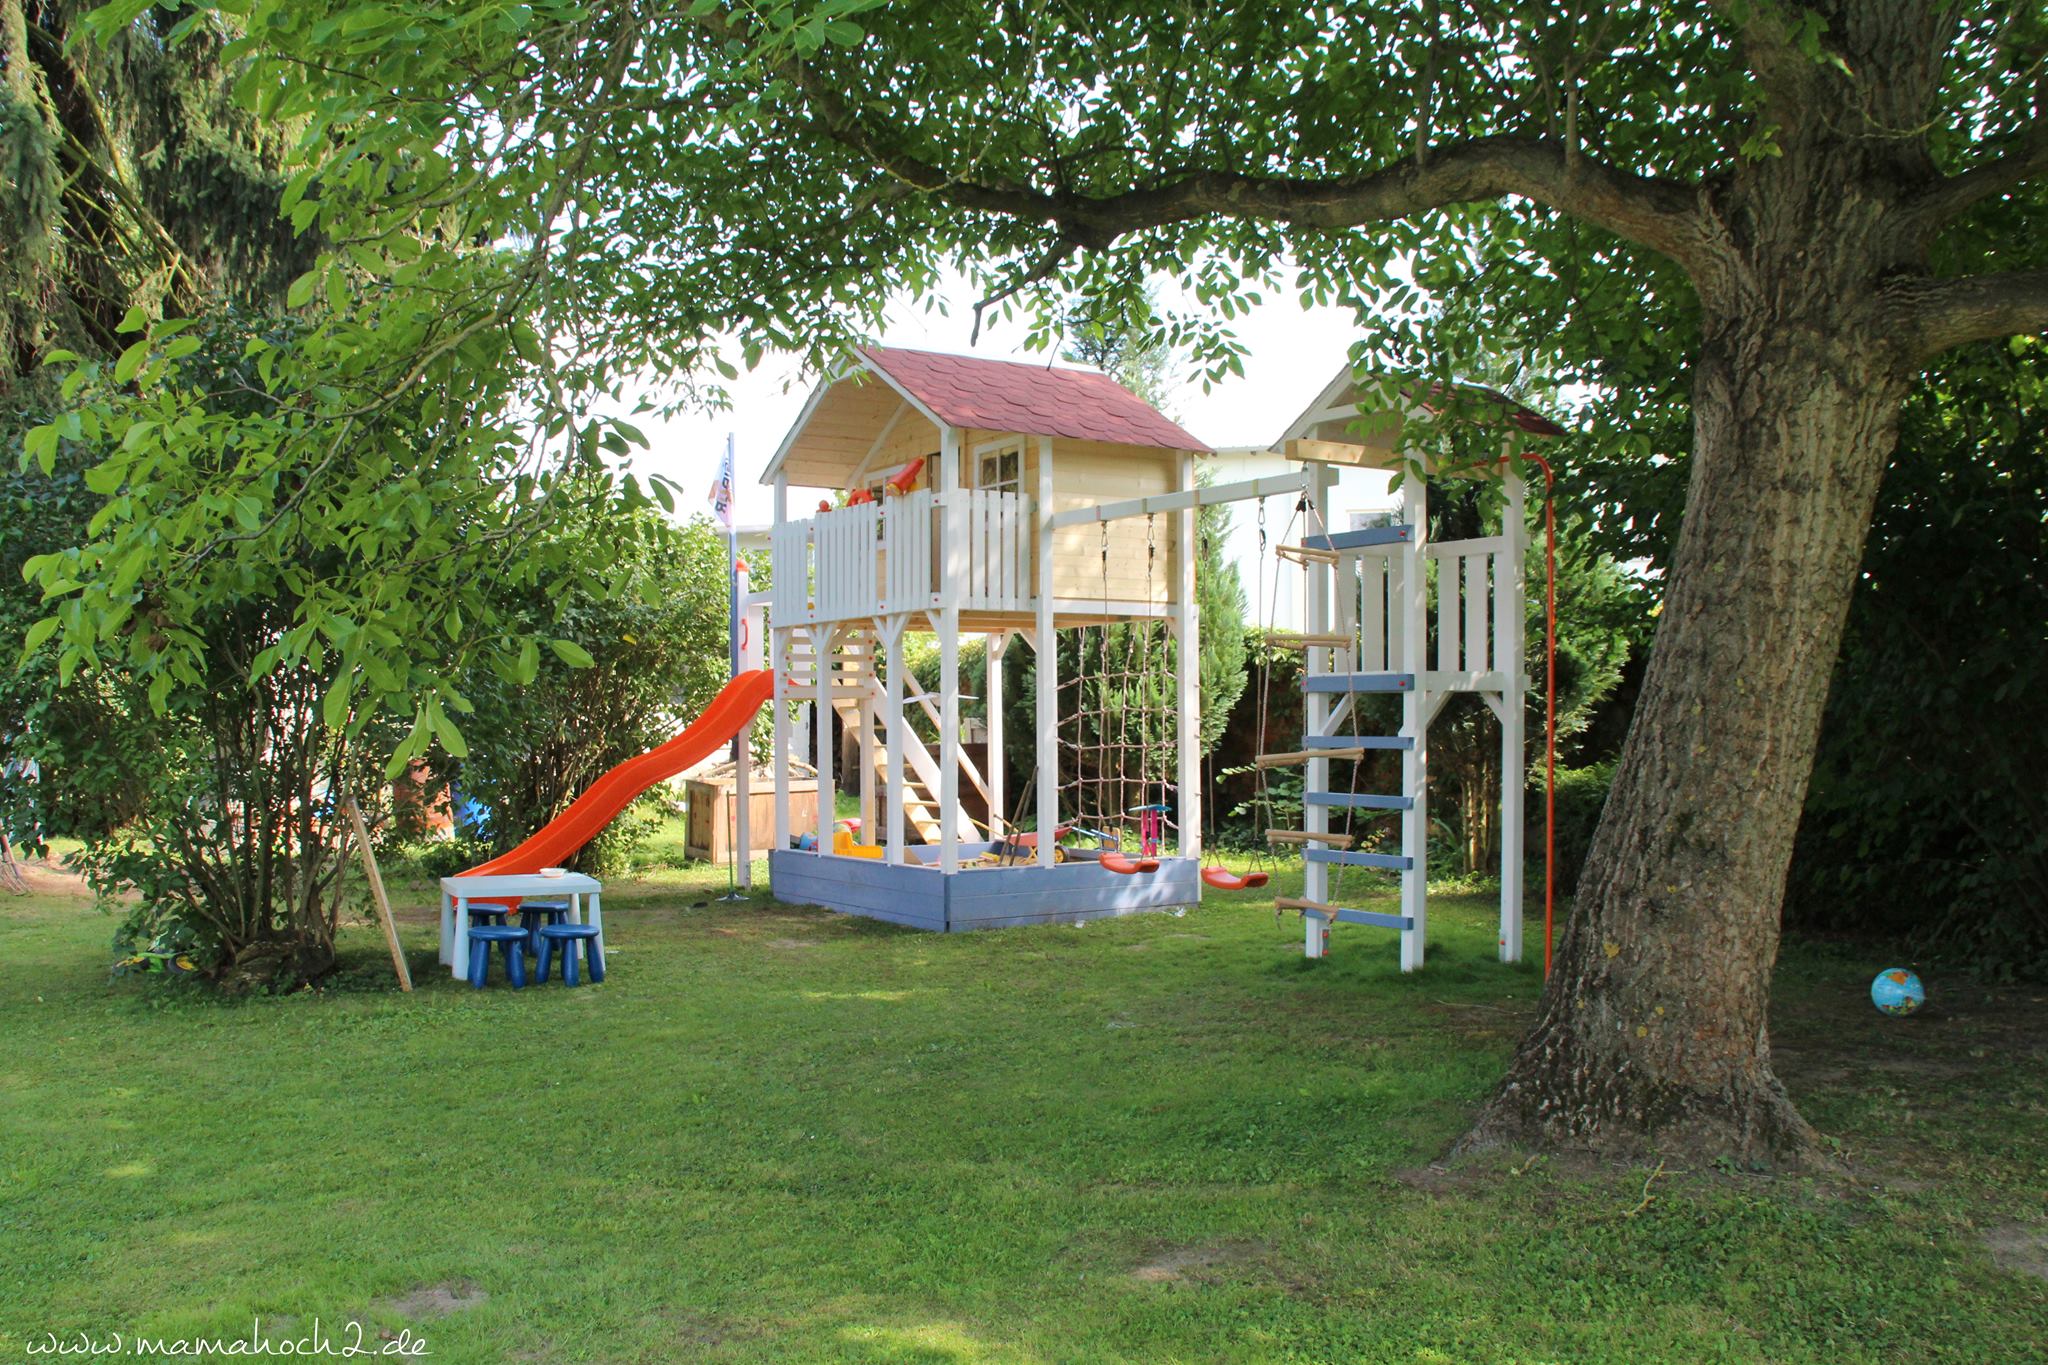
x=1223 y=879
x=1117 y=862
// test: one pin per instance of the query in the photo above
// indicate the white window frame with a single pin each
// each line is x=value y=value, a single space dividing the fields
x=995 y=450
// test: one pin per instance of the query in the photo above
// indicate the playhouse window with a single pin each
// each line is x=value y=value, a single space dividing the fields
x=999 y=467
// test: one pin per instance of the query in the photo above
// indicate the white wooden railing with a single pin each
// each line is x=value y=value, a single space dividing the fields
x=1473 y=592
x=890 y=556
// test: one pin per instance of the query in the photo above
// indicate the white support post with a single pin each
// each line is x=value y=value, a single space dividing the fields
x=1187 y=625
x=994 y=647
x=892 y=716
x=821 y=657
x=1414 y=609
x=1316 y=706
x=947 y=619
x=778 y=729
x=865 y=711
x=1509 y=653
x=950 y=833
x=1046 y=658
x=743 y=767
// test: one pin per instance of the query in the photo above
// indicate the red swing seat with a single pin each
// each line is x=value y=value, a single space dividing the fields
x=1117 y=862
x=1223 y=879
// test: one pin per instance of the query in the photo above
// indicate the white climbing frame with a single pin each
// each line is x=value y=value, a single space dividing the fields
x=1477 y=648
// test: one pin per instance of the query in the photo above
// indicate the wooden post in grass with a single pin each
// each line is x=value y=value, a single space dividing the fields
x=362 y=832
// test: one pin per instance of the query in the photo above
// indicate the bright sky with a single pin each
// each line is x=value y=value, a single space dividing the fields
x=1292 y=355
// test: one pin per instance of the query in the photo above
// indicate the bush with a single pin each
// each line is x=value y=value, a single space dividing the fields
x=1581 y=796
x=654 y=653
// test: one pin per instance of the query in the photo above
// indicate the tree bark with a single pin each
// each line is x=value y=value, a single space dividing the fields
x=1653 y=1033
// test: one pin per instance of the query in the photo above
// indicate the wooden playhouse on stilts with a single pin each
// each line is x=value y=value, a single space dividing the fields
x=968 y=498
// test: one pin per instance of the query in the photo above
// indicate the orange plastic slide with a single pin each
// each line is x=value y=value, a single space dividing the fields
x=559 y=839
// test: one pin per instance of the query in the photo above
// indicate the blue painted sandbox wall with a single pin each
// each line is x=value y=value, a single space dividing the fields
x=981 y=898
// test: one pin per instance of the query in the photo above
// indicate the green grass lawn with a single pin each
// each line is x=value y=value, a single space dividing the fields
x=776 y=1134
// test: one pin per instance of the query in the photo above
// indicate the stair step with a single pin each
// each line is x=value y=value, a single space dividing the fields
x=1362 y=539
x=1344 y=913
x=1299 y=757
x=1386 y=862
x=1304 y=554
x=1359 y=682
x=1309 y=836
x=1295 y=639
x=1357 y=801
x=1358 y=742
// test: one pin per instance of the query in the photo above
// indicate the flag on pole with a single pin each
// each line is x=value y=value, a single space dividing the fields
x=721 y=490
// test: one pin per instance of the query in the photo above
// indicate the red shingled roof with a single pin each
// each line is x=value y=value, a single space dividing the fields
x=1034 y=400
x=1528 y=419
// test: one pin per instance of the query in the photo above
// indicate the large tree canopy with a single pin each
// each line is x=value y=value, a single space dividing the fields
x=653 y=185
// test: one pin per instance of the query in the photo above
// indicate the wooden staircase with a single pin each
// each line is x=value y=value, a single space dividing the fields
x=854 y=682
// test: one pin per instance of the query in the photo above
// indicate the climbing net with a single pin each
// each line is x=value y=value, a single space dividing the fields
x=1117 y=708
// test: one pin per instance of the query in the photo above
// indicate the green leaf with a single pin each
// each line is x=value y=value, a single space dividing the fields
x=529 y=663
x=445 y=730
x=130 y=361
x=572 y=654
x=334 y=706
x=40 y=445
x=134 y=320
x=37 y=633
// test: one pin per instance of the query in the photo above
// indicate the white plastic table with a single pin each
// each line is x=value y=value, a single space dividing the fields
x=458 y=892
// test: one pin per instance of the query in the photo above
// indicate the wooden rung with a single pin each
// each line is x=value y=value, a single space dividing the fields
x=1303 y=554
x=1301 y=756
x=1308 y=836
x=1290 y=639
x=1297 y=903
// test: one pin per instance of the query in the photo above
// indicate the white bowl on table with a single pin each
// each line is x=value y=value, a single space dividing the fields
x=553 y=871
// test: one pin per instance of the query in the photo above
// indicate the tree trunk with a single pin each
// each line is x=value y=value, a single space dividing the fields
x=1653 y=1031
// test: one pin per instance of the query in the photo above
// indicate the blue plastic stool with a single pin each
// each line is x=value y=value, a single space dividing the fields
x=488 y=912
x=512 y=939
x=534 y=914
x=567 y=937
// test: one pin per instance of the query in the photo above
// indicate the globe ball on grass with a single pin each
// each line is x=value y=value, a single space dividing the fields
x=1897 y=992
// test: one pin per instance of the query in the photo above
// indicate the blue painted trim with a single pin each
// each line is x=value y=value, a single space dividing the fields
x=1355 y=801
x=1358 y=742
x=1359 y=682
x=1390 y=862
x=1362 y=539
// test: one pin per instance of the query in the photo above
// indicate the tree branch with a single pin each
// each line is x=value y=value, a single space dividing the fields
x=2016 y=160
x=1946 y=313
x=1656 y=213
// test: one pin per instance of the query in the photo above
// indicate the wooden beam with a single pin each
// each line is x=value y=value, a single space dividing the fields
x=1345 y=453
x=376 y=880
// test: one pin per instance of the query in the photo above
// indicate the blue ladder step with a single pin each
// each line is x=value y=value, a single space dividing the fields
x=1362 y=539
x=1359 y=682
x=1354 y=801
x=1358 y=742
x=1389 y=862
